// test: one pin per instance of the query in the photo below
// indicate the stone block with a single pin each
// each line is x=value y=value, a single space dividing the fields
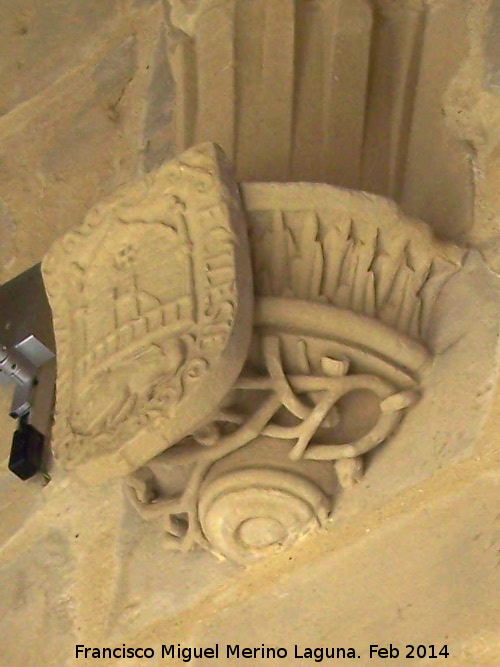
x=45 y=41
x=71 y=148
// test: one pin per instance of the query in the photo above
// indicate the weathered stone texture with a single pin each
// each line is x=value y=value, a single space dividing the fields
x=80 y=137
x=159 y=139
x=6 y=235
x=90 y=97
x=114 y=72
x=493 y=48
x=438 y=585
x=45 y=41
x=35 y=604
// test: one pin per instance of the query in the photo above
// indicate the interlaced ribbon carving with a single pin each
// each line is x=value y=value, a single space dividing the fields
x=309 y=399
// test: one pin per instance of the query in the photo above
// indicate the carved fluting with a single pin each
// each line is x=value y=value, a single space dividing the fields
x=151 y=299
x=269 y=81
x=351 y=250
x=347 y=92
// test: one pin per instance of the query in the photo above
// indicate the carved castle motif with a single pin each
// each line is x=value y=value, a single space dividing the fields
x=231 y=418
x=145 y=298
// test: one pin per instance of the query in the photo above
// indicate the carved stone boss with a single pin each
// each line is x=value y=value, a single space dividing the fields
x=236 y=422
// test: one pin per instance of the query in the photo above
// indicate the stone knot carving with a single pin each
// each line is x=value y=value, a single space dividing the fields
x=238 y=423
x=257 y=477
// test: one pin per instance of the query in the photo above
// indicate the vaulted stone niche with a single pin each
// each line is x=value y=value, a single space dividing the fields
x=352 y=93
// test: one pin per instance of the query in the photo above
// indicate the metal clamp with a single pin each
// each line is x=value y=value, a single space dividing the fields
x=20 y=365
x=27 y=360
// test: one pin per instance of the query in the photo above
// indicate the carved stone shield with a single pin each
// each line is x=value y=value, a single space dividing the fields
x=152 y=307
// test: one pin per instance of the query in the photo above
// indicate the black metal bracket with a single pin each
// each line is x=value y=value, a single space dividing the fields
x=26 y=453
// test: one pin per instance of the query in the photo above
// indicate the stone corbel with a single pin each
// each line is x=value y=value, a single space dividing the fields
x=235 y=406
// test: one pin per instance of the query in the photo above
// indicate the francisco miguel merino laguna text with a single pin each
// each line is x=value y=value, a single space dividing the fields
x=187 y=653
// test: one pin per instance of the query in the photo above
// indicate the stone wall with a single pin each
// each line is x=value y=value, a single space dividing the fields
x=84 y=94
x=87 y=103
x=89 y=100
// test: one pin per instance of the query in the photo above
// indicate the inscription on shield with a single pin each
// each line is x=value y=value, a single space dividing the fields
x=152 y=306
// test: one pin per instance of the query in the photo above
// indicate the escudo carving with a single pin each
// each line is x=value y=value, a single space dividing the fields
x=152 y=304
x=234 y=419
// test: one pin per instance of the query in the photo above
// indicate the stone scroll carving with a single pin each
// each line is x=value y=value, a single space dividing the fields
x=345 y=293
x=239 y=423
x=152 y=306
